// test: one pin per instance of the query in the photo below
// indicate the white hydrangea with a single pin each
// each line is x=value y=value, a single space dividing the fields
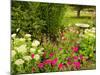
x=22 y=49
x=87 y=30
x=27 y=58
x=22 y=39
x=13 y=53
x=28 y=35
x=40 y=51
x=32 y=50
x=35 y=43
x=17 y=29
x=13 y=35
x=37 y=57
x=19 y=62
x=93 y=30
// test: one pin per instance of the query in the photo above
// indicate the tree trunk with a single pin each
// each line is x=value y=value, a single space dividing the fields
x=78 y=13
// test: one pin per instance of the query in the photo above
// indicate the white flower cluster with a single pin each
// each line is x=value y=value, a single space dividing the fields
x=13 y=53
x=27 y=58
x=35 y=43
x=32 y=50
x=89 y=33
x=37 y=52
x=36 y=56
x=28 y=36
x=21 y=47
x=13 y=35
x=19 y=62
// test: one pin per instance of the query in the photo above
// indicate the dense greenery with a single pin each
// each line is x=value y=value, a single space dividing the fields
x=37 y=18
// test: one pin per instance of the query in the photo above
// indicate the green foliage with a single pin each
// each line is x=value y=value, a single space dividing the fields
x=37 y=18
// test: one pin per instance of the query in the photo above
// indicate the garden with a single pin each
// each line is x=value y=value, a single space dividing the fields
x=52 y=37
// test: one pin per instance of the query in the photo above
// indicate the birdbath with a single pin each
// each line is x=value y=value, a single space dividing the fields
x=82 y=27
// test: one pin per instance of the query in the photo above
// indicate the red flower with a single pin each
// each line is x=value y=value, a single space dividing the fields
x=54 y=61
x=77 y=65
x=51 y=54
x=33 y=69
x=32 y=56
x=60 y=66
x=75 y=49
x=40 y=65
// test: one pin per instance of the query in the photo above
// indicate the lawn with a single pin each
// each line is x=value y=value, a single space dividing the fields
x=71 y=18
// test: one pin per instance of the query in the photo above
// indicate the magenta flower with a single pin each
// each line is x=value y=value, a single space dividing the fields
x=51 y=54
x=68 y=58
x=54 y=61
x=69 y=63
x=75 y=57
x=60 y=49
x=75 y=49
x=81 y=56
x=60 y=66
x=48 y=61
x=32 y=56
x=77 y=65
x=40 y=65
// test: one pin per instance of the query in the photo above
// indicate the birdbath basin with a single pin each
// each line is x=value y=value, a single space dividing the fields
x=82 y=26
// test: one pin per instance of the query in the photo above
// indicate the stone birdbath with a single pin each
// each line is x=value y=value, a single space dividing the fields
x=82 y=27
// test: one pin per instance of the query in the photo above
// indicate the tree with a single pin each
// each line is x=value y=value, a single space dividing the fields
x=79 y=8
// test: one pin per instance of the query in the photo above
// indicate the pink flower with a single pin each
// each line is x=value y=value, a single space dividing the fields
x=60 y=66
x=51 y=54
x=77 y=65
x=48 y=61
x=60 y=49
x=75 y=49
x=54 y=61
x=69 y=63
x=40 y=65
x=32 y=56
x=75 y=57
x=81 y=56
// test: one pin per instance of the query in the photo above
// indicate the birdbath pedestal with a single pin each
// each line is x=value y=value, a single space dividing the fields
x=82 y=27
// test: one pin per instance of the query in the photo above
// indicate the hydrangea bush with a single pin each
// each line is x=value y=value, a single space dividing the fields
x=25 y=53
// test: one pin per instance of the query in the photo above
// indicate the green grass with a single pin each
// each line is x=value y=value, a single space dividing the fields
x=71 y=18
